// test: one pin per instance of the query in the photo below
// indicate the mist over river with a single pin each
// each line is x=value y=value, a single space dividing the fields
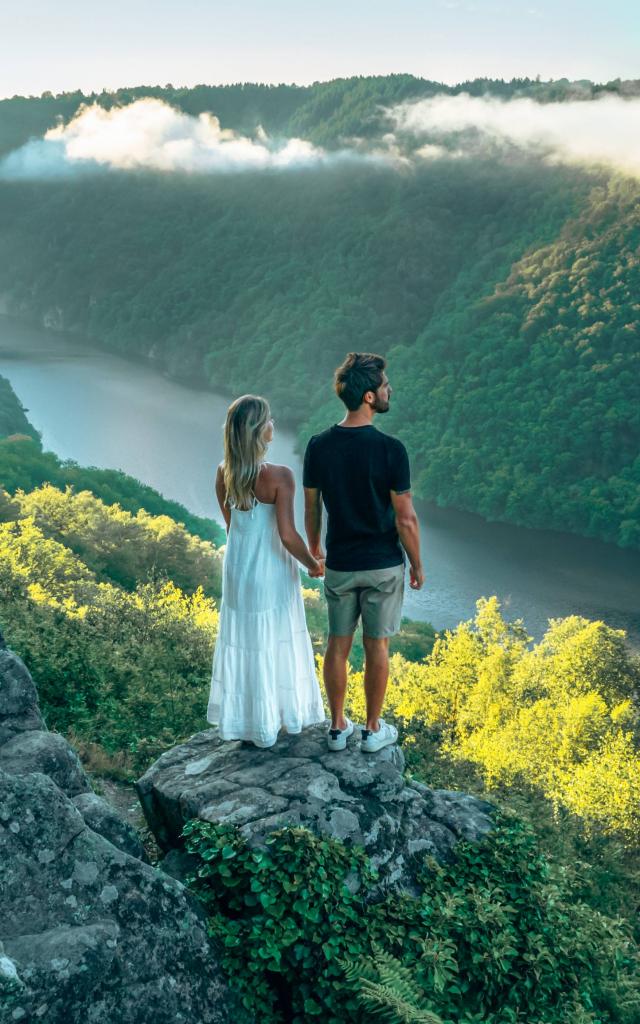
x=101 y=409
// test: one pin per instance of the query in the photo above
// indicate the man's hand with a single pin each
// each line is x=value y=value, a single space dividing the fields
x=416 y=577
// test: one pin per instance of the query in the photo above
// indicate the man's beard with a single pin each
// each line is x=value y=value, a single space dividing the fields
x=380 y=405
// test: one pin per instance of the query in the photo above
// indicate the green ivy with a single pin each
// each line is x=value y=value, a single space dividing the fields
x=284 y=916
x=496 y=936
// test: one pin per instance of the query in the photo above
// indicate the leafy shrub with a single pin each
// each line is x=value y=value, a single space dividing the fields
x=283 y=915
x=561 y=716
x=126 y=669
x=496 y=936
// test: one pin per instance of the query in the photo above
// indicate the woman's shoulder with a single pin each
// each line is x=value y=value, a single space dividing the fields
x=278 y=478
x=278 y=472
x=274 y=469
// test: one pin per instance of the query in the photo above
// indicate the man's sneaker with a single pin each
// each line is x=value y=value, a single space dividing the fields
x=337 y=738
x=384 y=737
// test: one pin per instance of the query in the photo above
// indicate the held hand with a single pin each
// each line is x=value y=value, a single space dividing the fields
x=416 y=578
x=317 y=573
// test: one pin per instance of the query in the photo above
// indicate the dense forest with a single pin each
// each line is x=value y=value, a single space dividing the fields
x=503 y=288
x=325 y=112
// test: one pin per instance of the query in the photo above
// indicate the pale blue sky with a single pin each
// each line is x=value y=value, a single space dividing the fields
x=79 y=44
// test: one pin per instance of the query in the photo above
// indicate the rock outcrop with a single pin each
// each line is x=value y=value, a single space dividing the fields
x=357 y=797
x=19 y=711
x=100 y=816
x=89 y=933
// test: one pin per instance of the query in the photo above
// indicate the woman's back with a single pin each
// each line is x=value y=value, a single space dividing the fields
x=258 y=571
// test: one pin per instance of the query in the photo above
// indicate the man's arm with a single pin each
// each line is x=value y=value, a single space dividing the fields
x=313 y=520
x=409 y=533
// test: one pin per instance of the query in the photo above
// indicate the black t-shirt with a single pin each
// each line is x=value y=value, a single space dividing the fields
x=356 y=468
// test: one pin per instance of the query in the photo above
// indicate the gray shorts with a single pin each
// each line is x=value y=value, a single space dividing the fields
x=376 y=594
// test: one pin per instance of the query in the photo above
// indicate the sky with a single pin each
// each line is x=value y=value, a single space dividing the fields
x=80 y=44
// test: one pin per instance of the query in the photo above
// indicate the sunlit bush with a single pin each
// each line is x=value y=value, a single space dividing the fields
x=561 y=715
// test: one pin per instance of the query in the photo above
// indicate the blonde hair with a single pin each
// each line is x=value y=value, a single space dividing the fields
x=244 y=448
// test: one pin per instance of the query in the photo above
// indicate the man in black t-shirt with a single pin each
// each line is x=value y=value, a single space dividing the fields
x=362 y=478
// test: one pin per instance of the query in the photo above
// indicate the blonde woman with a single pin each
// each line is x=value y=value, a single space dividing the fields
x=263 y=675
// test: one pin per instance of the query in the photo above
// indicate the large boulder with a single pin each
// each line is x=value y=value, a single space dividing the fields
x=104 y=819
x=356 y=797
x=47 y=753
x=91 y=935
x=19 y=711
x=26 y=745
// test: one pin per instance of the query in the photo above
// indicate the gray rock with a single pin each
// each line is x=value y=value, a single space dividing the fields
x=104 y=819
x=359 y=798
x=464 y=814
x=19 y=709
x=26 y=745
x=91 y=935
x=46 y=752
x=179 y=864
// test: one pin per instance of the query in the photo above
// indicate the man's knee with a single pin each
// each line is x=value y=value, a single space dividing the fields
x=339 y=645
x=376 y=648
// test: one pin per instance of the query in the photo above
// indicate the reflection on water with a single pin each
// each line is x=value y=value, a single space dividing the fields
x=100 y=409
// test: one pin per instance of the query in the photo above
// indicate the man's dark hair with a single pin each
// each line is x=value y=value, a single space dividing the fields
x=360 y=372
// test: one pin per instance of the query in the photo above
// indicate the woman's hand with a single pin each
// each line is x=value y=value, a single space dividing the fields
x=320 y=570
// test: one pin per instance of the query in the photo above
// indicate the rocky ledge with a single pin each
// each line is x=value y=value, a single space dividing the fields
x=356 y=797
x=89 y=932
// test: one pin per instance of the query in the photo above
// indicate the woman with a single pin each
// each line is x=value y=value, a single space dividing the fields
x=263 y=668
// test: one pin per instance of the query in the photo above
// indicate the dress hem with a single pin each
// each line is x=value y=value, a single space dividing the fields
x=242 y=734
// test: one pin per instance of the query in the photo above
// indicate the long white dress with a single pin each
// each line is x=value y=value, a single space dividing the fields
x=263 y=674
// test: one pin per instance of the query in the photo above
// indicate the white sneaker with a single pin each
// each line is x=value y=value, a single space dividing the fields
x=384 y=737
x=337 y=738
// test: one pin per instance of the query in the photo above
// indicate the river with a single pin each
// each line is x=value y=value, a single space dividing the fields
x=101 y=409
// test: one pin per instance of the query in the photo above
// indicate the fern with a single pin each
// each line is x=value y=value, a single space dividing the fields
x=387 y=988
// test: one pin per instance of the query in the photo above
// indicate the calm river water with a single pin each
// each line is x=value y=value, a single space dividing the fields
x=103 y=410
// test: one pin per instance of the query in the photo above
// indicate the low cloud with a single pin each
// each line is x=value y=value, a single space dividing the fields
x=151 y=134
x=602 y=131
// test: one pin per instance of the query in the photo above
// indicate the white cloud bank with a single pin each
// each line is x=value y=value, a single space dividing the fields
x=151 y=134
x=602 y=131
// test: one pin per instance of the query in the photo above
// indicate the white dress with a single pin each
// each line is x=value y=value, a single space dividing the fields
x=263 y=673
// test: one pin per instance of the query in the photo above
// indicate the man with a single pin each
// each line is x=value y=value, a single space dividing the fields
x=362 y=477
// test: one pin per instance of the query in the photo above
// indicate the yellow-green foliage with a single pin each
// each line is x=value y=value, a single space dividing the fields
x=561 y=715
x=124 y=547
x=127 y=669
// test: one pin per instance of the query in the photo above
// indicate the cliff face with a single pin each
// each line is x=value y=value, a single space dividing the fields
x=89 y=932
x=356 y=797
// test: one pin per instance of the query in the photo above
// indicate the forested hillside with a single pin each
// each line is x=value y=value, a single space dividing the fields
x=534 y=411
x=325 y=112
x=502 y=287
